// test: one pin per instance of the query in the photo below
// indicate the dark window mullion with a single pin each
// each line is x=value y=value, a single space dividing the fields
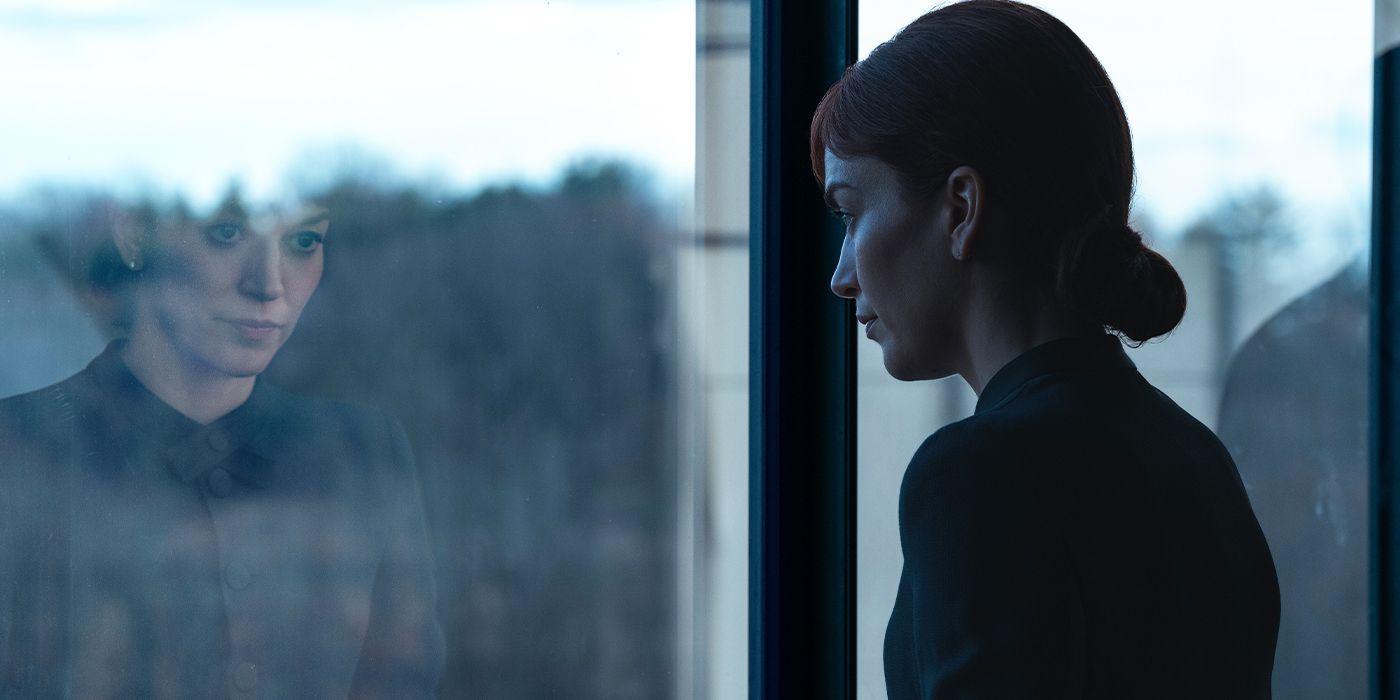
x=1385 y=373
x=802 y=390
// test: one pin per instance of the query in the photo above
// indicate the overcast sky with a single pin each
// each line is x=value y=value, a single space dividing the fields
x=1221 y=94
x=191 y=94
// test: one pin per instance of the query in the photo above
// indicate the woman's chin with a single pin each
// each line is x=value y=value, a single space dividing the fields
x=239 y=363
x=899 y=367
x=907 y=369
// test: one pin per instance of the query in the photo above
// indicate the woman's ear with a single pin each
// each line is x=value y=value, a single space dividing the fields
x=965 y=195
x=128 y=234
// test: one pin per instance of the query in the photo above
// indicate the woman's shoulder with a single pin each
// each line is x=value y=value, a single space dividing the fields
x=26 y=407
x=978 y=441
x=970 y=496
x=1003 y=454
x=47 y=409
x=982 y=451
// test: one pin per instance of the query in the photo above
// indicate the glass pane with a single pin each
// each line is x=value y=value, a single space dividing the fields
x=1252 y=141
x=504 y=455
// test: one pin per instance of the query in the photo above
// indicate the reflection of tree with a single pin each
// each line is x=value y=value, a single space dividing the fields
x=523 y=336
x=1247 y=233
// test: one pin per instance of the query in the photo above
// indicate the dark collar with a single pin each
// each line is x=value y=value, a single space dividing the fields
x=1064 y=355
x=146 y=424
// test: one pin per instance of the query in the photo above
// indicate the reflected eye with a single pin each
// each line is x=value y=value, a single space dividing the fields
x=224 y=233
x=843 y=215
x=304 y=242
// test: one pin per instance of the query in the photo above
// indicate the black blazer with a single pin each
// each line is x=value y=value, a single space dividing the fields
x=1080 y=536
x=279 y=552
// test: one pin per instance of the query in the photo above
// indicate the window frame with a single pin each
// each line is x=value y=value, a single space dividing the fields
x=802 y=602
x=1384 y=570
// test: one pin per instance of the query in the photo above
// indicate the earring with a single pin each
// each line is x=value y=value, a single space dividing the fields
x=134 y=264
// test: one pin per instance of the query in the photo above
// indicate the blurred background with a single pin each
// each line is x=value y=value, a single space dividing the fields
x=538 y=259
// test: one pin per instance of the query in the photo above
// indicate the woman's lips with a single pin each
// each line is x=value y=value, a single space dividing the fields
x=870 y=327
x=255 y=329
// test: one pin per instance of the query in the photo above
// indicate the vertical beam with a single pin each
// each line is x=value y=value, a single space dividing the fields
x=1385 y=358
x=802 y=370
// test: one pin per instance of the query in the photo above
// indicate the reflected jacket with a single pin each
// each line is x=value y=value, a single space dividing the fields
x=280 y=551
x=1080 y=536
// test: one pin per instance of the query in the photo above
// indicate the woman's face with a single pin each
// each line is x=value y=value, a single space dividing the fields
x=223 y=294
x=897 y=264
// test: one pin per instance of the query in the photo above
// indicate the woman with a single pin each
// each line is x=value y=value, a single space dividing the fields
x=172 y=527
x=1080 y=535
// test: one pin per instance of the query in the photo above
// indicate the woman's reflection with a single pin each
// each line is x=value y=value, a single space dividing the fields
x=173 y=527
x=216 y=300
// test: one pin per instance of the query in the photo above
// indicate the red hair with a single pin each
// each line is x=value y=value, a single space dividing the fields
x=1011 y=91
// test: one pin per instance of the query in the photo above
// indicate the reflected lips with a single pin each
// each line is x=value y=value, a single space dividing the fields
x=253 y=329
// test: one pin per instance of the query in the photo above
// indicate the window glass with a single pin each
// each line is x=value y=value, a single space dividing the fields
x=504 y=454
x=1252 y=138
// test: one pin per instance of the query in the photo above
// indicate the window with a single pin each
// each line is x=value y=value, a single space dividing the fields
x=540 y=220
x=535 y=261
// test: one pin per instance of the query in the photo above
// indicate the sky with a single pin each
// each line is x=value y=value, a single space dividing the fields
x=1222 y=95
x=166 y=94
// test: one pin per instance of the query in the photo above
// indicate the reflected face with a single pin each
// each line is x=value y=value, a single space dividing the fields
x=896 y=263
x=225 y=293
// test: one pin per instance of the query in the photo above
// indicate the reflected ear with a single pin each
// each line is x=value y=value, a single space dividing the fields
x=965 y=195
x=128 y=234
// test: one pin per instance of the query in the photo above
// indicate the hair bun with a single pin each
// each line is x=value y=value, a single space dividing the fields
x=1107 y=272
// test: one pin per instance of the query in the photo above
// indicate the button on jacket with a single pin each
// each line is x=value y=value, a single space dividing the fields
x=1080 y=536
x=280 y=551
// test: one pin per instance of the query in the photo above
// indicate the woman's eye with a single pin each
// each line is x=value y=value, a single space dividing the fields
x=225 y=233
x=304 y=242
x=843 y=215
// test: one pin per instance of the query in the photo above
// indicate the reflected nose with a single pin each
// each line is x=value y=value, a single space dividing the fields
x=843 y=280
x=262 y=271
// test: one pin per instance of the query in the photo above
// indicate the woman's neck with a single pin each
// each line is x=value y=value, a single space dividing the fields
x=1002 y=324
x=193 y=389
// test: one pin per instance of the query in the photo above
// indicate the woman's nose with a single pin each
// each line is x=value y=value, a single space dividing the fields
x=843 y=280
x=262 y=271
